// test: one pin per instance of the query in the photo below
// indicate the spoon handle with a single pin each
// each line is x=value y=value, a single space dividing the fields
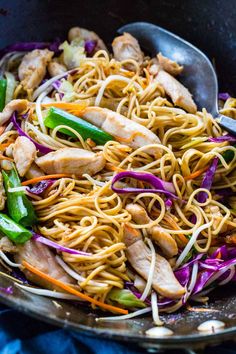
x=227 y=123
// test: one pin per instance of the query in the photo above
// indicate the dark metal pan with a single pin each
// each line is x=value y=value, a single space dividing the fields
x=211 y=26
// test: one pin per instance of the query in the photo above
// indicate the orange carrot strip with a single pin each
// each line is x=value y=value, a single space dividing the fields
x=6 y=158
x=127 y=140
x=175 y=226
x=195 y=174
x=65 y=105
x=41 y=178
x=70 y=290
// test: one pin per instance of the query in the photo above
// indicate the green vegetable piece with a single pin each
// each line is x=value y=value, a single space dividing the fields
x=19 y=206
x=87 y=130
x=126 y=298
x=3 y=88
x=15 y=232
x=228 y=155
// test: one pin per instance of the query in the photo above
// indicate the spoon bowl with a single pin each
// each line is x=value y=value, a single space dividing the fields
x=198 y=75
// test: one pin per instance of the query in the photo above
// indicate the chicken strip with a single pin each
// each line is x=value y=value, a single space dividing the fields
x=71 y=161
x=86 y=35
x=127 y=47
x=33 y=67
x=40 y=257
x=169 y=65
x=19 y=106
x=163 y=239
x=123 y=129
x=6 y=245
x=163 y=281
x=2 y=193
x=178 y=93
x=34 y=171
x=24 y=153
x=55 y=68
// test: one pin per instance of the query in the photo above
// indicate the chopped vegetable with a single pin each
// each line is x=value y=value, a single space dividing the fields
x=15 y=232
x=71 y=290
x=89 y=46
x=224 y=96
x=87 y=130
x=125 y=298
x=28 y=46
x=11 y=85
x=223 y=138
x=55 y=245
x=8 y=290
x=19 y=207
x=42 y=178
x=3 y=88
x=207 y=180
x=73 y=53
x=196 y=173
x=40 y=187
x=41 y=148
x=159 y=186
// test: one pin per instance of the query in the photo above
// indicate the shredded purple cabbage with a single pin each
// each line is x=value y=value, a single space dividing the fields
x=55 y=245
x=18 y=274
x=28 y=46
x=159 y=186
x=168 y=203
x=40 y=187
x=41 y=148
x=224 y=96
x=8 y=290
x=223 y=138
x=90 y=46
x=56 y=84
x=207 y=180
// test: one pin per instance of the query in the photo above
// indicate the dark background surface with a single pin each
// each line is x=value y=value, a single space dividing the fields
x=208 y=24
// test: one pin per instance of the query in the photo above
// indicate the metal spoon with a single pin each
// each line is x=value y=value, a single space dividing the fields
x=198 y=76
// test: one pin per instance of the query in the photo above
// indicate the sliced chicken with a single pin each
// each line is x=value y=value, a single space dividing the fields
x=71 y=161
x=163 y=281
x=34 y=171
x=178 y=93
x=123 y=129
x=163 y=239
x=55 y=68
x=6 y=245
x=139 y=283
x=19 y=106
x=24 y=153
x=2 y=193
x=40 y=257
x=86 y=35
x=33 y=68
x=127 y=47
x=169 y=65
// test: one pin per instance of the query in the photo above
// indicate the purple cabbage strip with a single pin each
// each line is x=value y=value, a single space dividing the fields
x=90 y=46
x=41 y=148
x=168 y=203
x=18 y=274
x=223 y=96
x=8 y=290
x=223 y=138
x=207 y=180
x=56 y=84
x=55 y=245
x=159 y=186
x=28 y=46
x=40 y=187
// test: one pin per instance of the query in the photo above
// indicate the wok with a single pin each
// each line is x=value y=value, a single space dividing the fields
x=209 y=25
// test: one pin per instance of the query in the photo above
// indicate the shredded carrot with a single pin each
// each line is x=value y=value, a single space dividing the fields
x=5 y=145
x=70 y=290
x=199 y=309
x=41 y=178
x=175 y=226
x=127 y=140
x=2 y=157
x=70 y=107
x=218 y=255
x=2 y=129
x=111 y=167
x=196 y=174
